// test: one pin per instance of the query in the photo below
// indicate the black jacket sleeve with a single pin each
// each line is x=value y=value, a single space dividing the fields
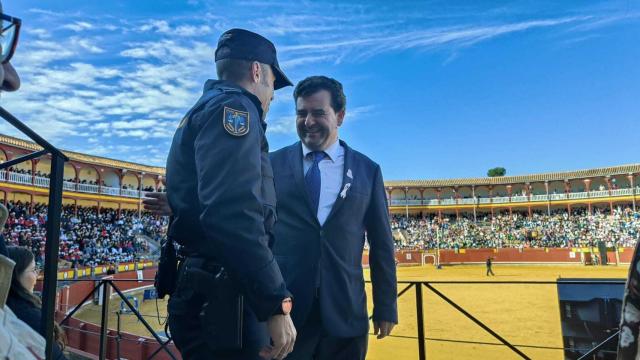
x=381 y=254
x=230 y=195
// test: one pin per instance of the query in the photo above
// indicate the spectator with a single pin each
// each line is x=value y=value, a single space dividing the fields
x=23 y=302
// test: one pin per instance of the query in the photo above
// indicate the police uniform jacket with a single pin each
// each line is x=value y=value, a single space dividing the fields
x=221 y=191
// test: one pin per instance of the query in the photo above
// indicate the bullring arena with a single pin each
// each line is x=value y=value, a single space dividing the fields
x=542 y=227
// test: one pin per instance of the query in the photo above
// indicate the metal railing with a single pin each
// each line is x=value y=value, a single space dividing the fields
x=418 y=286
x=579 y=195
x=553 y=197
x=26 y=179
x=105 y=285
x=429 y=285
x=54 y=210
x=539 y=198
x=519 y=198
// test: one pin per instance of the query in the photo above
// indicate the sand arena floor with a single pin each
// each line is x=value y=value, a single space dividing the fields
x=523 y=314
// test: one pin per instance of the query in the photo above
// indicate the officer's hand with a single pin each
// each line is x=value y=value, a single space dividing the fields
x=157 y=203
x=382 y=328
x=283 y=335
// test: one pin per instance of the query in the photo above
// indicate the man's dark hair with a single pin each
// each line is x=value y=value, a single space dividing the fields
x=236 y=70
x=313 y=84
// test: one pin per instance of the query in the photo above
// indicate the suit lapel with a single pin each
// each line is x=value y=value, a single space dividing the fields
x=295 y=161
x=348 y=160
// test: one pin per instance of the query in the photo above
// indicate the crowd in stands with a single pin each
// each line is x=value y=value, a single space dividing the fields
x=559 y=229
x=86 y=238
x=28 y=172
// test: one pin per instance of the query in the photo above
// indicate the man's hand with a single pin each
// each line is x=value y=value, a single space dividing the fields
x=382 y=328
x=157 y=203
x=283 y=335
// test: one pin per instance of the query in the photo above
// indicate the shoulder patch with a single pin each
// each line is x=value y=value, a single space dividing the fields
x=235 y=122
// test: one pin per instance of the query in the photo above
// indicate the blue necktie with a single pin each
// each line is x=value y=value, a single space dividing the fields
x=312 y=179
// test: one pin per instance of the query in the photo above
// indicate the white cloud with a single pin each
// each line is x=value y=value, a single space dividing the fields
x=189 y=30
x=163 y=27
x=303 y=60
x=136 y=124
x=86 y=44
x=38 y=32
x=156 y=25
x=78 y=26
x=363 y=47
x=45 y=12
x=281 y=125
x=602 y=21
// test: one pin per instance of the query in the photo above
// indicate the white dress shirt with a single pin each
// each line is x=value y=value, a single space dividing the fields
x=331 y=171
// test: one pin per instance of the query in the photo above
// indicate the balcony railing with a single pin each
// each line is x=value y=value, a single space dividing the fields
x=539 y=198
x=500 y=199
x=520 y=198
x=26 y=179
x=554 y=197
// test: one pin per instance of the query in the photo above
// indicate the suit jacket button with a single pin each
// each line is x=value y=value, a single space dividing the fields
x=321 y=233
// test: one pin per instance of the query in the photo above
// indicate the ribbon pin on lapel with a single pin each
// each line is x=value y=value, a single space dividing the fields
x=343 y=193
x=347 y=186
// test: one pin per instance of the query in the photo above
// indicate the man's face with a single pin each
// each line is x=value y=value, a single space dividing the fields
x=316 y=121
x=264 y=88
x=9 y=79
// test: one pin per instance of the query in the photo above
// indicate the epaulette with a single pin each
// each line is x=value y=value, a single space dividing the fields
x=229 y=90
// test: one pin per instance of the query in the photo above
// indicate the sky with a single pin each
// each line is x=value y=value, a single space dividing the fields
x=435 y=89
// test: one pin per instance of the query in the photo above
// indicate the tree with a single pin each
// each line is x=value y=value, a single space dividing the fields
x=498 y=171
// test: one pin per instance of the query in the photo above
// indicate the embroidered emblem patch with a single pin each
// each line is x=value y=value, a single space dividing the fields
x=236 y=122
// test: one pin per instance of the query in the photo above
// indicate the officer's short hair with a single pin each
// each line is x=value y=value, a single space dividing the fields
x=236 y=70
x=313 y=84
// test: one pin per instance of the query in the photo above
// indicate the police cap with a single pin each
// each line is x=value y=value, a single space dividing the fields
x=246 y=45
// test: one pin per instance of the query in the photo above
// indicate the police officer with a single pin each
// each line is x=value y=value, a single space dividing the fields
x=230 y=298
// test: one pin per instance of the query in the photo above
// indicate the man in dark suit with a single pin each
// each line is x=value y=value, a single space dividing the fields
x=330 y=198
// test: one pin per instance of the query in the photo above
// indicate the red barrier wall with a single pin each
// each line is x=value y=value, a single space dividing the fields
x=505 y=255
x=85 y=336
x=72 y=294
x=510 y=256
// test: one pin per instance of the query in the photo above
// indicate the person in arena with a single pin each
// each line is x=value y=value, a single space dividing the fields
x=489 y=264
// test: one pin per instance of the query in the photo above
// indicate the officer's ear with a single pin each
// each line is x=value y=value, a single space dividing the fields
x=256 y=72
